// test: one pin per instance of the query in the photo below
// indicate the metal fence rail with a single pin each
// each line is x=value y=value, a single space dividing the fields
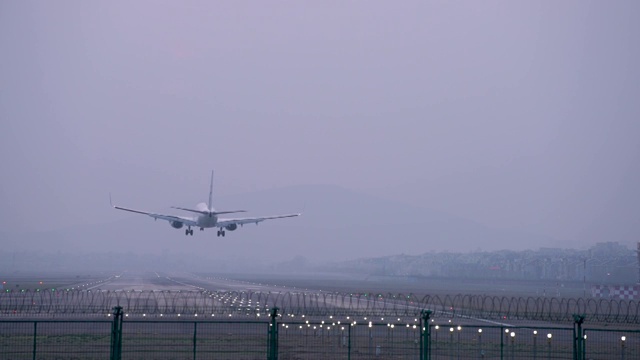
x=317 y=304
x=336 y=337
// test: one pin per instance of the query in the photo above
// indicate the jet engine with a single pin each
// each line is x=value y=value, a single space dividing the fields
x=231 y=227
x=176 y=224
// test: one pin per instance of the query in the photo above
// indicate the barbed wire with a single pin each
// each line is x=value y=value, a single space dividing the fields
x=80 y=302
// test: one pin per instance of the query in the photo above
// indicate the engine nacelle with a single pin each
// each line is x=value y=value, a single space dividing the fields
x=231 y=227
x=176 y=224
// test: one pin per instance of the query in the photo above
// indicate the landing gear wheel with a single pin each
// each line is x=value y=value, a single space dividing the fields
x=218 y=233
x=191 y=232
x=223 y=233
x=186 y=232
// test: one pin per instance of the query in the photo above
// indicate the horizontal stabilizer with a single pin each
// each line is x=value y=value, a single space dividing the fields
x=204 y=212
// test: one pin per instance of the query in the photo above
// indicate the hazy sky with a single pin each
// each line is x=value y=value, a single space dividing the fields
x=519 y=115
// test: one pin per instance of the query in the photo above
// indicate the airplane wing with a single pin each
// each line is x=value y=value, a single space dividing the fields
x=169 y=218
x=241 y=221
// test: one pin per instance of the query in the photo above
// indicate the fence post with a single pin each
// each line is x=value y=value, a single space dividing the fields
x=349 y=355
x=502 y=342
x=425 y=335
x=578 y=337
x=195 y=331
x=35 y=333
x=116 y=334
x=273 y=335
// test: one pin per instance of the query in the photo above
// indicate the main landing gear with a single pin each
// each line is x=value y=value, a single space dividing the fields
x=188 y=231
x=221 y=232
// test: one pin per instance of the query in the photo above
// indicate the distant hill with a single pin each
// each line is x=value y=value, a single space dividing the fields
x=337 y=224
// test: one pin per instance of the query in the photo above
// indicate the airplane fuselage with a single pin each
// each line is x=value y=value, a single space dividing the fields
x=207 y=221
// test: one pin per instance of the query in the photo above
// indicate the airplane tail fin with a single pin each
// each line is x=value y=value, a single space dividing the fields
x=211 y=193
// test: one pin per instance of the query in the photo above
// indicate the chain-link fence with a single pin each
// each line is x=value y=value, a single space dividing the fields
x=339 y=337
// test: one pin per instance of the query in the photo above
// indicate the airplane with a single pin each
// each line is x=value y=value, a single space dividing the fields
x=207 y=217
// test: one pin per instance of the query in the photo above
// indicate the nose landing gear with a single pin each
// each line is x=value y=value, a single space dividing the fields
x=221 y=232
x=188 y=231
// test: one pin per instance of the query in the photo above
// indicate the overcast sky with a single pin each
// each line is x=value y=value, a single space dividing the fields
x=518 y=115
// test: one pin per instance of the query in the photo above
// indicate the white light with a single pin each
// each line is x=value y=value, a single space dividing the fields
x=549 y=336
x=451 y=329
x=369 y=323
x=624 y=338
x=480 y=331
x=437 y=327
x=392 y=326
x=535 y=332
x=506 y=330
x=459 y=327
x=513 y=334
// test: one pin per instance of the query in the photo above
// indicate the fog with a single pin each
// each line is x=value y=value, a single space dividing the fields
x=395 y=127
